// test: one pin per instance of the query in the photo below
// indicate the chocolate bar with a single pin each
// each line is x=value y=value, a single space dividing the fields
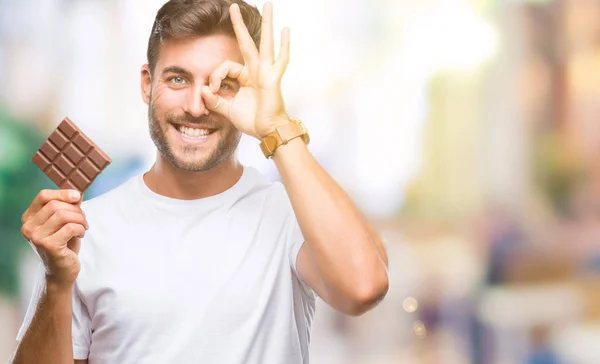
x=70 y=158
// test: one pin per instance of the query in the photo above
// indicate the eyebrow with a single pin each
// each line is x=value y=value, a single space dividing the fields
x=178 y=70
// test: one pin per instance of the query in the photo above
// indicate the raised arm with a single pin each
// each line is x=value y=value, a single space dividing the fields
x=343 y=259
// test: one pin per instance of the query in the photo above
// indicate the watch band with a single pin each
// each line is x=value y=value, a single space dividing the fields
x=282 y=135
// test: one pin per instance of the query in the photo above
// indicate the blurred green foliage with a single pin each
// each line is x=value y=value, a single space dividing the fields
x=20 y=181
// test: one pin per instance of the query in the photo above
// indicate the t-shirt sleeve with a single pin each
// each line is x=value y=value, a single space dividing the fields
x=81 y=326
x=81 y=323
x=38 y=290
x=295 y=242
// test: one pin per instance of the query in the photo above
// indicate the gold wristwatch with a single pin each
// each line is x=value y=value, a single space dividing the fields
x=282 y=135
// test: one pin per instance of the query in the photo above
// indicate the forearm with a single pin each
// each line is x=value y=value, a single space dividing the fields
x=346 y=251
x=48 y=338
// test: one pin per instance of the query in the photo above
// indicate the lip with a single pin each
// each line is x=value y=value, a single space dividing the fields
x=193 y=126
x=187 y=140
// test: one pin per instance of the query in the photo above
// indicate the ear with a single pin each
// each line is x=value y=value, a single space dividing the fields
x=146 y=83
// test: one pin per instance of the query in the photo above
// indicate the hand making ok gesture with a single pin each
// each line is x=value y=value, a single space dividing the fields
x=258 y=107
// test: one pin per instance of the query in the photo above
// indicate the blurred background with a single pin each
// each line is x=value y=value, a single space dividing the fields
x=466 y=130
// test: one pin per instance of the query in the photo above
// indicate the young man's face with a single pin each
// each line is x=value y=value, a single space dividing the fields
x=182 y=128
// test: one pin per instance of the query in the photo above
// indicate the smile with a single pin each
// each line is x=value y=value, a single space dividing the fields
x=193 y=133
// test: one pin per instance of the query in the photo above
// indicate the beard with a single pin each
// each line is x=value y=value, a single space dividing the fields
x=190 y=158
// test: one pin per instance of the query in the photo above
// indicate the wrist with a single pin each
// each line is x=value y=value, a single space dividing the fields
x=292 y=130
x=273 y=123
x=58 y=287
x=290 y=151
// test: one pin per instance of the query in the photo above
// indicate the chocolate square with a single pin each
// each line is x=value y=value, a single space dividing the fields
x=70 y=158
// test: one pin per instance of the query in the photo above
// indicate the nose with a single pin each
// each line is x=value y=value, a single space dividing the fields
x=194 y=103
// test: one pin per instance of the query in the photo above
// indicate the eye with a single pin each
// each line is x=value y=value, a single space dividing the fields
x=178 y=80
x=225 y=86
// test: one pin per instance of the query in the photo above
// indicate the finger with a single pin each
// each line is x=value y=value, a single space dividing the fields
x=247 y=46
x=266 y=35
x=226 y=69
x=51 y=208
x=283 y=59
x=74 y=244
x=215 y=102
x=64 y=234
x=56 y=222
x=46 y=196
x=80 y=200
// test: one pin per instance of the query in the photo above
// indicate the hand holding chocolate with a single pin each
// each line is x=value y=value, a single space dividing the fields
x=54 y=223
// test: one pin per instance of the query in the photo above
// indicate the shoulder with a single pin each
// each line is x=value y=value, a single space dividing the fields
x=270 y=192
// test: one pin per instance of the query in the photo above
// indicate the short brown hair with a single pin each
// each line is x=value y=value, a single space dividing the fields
x=178 y=19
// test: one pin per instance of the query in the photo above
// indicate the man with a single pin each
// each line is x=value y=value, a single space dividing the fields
x=200 y=259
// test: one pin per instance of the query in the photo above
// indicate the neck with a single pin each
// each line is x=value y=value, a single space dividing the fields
x=167 y=180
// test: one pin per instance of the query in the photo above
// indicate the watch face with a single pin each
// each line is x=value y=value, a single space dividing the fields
x=271 y=142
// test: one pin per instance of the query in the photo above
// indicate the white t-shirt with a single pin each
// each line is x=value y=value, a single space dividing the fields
x=211 y=280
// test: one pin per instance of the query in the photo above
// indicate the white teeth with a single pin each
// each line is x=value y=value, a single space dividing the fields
x=193 y=132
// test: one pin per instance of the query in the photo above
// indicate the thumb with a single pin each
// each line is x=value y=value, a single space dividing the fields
x=215 y=102
x=80 y=200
